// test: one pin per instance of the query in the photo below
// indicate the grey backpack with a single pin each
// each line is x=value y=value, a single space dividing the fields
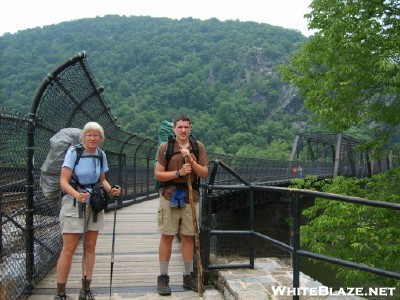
x=51 y=168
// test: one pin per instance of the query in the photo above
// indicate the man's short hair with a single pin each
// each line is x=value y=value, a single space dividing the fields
x=182 y=117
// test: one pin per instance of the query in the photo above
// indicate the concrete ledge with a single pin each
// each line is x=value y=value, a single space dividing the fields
x=269 y=274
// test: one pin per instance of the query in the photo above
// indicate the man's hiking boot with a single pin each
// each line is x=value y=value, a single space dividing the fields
x=87 y=295
x=62 y=296
x=163 y=285
x=190 y=281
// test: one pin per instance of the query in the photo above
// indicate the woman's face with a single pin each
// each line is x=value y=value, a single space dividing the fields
x=92 y=140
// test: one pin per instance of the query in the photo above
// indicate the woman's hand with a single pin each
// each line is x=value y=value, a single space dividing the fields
x=83 y=197
x=115 y=191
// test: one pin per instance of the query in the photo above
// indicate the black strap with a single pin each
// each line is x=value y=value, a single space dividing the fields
x=178 y=185
x=169 y=152
x=74 y=182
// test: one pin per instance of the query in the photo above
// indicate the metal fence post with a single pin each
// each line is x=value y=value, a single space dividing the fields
x=29 y=230
x=296 y=245
x=251 y=237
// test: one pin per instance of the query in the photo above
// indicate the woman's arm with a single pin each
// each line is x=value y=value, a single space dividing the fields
x=65 y=178
x=115 y=191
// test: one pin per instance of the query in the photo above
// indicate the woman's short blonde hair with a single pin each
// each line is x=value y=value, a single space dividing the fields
x=93 y=126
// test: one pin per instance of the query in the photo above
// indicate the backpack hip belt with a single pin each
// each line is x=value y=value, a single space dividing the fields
x=179 y=185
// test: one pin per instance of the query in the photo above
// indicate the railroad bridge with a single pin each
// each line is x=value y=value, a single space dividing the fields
x=69 y=97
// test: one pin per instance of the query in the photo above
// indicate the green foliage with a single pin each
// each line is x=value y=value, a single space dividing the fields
x=277 y=149
x=349 y=72
x=223 y=74
x=354 y=232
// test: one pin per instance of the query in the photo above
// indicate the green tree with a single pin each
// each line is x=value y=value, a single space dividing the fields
x=277 y=150
x=349 y=72
x=355 y=232
x=223 y=74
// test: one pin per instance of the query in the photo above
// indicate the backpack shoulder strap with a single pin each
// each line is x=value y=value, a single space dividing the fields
x=195 y=146
x=100 y=151
x=79 y=150
x=170 y=150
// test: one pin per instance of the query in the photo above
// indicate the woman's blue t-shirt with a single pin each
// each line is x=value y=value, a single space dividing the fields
x=88 y=168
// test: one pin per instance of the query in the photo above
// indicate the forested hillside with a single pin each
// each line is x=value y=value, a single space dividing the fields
x=223 y=74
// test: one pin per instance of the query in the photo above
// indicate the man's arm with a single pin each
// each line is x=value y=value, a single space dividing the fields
x=161 y=175
x=201 y=171
x=192 y=165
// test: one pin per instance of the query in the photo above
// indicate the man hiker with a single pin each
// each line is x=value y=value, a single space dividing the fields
x=174 y=212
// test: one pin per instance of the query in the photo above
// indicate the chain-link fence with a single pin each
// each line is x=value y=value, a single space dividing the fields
x=30 y=237
x=13 y=129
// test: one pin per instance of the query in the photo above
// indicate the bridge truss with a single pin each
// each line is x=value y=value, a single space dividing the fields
x=349 y=155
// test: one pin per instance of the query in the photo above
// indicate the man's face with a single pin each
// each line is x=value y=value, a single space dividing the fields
x=182 y=130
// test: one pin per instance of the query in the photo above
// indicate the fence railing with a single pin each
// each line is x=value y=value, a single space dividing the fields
x=207 y=230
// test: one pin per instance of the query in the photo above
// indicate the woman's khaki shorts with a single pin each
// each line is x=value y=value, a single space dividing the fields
x=70 y=222
x=169 y=218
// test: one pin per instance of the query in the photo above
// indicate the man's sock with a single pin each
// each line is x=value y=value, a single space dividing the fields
x=188 y=267
x=164 y=267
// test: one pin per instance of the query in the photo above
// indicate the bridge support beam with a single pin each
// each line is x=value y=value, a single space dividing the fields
x=337 y=155
x=294 y=148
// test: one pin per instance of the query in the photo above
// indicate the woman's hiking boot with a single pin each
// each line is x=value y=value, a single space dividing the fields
x=190 y=281
x=87 y=295
x=62 y=296
x=163 y=285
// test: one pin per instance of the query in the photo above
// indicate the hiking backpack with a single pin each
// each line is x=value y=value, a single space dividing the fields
x=166 y=134
x=51 y=168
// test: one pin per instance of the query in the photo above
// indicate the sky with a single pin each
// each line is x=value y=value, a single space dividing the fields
x=24 y=14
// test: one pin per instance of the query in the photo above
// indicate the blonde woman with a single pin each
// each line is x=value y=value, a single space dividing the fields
x=88 y=171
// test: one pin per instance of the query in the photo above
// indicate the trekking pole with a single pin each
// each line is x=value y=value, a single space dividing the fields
x=84 y=244
x=113 y=239
x=196 y=239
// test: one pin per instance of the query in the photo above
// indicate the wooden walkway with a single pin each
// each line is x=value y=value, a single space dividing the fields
x=135 y=267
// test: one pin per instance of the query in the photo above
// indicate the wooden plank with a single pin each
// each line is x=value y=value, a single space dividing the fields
x=135 y=253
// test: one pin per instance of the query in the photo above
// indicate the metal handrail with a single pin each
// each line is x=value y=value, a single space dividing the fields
x=295 y=249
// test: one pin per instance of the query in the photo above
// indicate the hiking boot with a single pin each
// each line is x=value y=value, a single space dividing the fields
x=87 y=295
x=190 y=281
x=163 y=285
x=62 y=296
